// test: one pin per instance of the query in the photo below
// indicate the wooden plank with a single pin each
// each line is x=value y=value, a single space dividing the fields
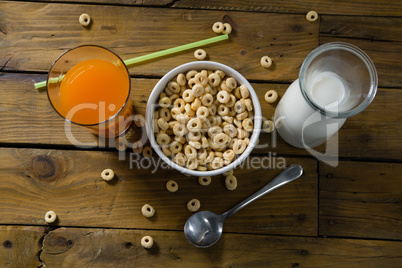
x=380 y=38
x=26 y=111
x=34 y=181
x=361 y=199
x=113 y=2
x=70 y=247
x=31 y=45
x=20 y=246
x=343 y=7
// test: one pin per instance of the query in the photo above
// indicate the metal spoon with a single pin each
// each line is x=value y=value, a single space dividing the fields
x=204 y=228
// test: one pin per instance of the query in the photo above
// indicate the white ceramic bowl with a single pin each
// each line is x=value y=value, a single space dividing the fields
x=202 y=65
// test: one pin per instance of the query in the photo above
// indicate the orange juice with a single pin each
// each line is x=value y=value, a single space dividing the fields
x=93 y=91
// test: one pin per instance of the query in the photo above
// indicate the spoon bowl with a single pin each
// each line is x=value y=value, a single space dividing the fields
x=204 y=228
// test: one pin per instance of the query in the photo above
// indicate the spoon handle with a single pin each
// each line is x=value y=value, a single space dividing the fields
x=290 y=174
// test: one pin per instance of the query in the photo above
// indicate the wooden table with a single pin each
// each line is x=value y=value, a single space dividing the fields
x=344 y=216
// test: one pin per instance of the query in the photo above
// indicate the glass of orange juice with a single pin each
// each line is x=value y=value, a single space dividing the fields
x=90 y=86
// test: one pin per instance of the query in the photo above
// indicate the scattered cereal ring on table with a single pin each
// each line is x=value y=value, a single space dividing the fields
x=204 y=181
x=227 y=28
x=147 y=152
x=147 y=210
x=107 y=174
x=139 y=120
x=147 y=242
x=312 y=16
x=137 y=147
x=121 y=144
x=266 y=62
x=84 y=19
x=50 y=216
x=172 y=186
x=200 y=54
x=268 y=126
x=217 y=27
x=231 y=182
x=271 y=96
x=193 y=205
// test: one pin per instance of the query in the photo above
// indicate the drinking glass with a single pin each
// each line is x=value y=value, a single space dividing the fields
x=336 y=81
x=112 y=103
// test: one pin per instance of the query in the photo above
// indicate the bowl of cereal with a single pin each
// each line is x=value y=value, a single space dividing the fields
x=203 y=118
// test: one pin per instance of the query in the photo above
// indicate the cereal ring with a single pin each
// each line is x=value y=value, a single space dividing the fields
x=311 y=16
x=217 y=27
x=221 y=139
x=179 y=130
x=214 y=80
x=227 y=173
x=175 y=147
x=223 y=110
x=174 y=97
x=200 y=54
x=191 y=74
x=154 y=125
x=212 y=109
x=242 y=115
x=147 y=210
x=236 y=92
x=194 y=136
x=172 y=186
x=228 y=154
x=192 y=82
x=189 y=112
x=201 y=78
x=181 y=79
x=248 y=124
x=204 y=181
x=139 y=120
x=50 y=216
x=241 y=134
x=266 y=62
x=165 y=102
x=195 y=104
x=207 y=99
x=182 y=118
x=214 y=131
x=147 y=152
x=165 y=114
x=271 y=96
x=195 y=144
x=188 y=95
x=219 y=154
x=147 y=242
x=245 y=93
x=121 y=144
x=231 y=182
x=239 y=146
x=231 y=83
x=162 y=124
x=162 y=139
x=173 y=87
x=202 y=112
x=180 y=159
x=194 y=124
x=204 y=142
x=268 y=126
x=249 y=104
x=197 y=90
x=179 y=103
x=193 y=205
x=107 y=174
x=232 y=101
x=227 y=28
x=201 y=167
x=239 y=106
x=84 y=19
x=230 y=130
x=166 y=150
x=220 y=73
x=137 y=147
x=192 y=163
x=190 y=152
x=223 y=96
x=217 y=163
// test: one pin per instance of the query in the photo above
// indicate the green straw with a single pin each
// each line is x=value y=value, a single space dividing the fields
x=162 y=53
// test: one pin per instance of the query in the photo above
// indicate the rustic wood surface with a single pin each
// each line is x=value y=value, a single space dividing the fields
x=348 y=215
